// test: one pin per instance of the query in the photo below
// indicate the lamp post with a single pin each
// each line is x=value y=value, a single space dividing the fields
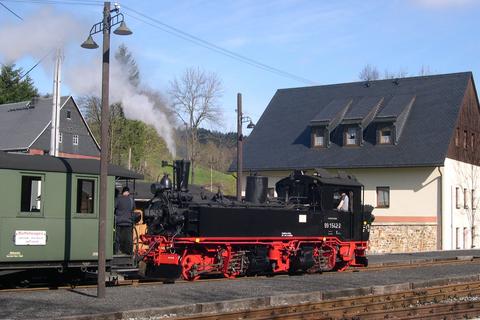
x=240 y=121
x=104 y=26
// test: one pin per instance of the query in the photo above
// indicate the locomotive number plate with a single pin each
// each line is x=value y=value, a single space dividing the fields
x=332 y=225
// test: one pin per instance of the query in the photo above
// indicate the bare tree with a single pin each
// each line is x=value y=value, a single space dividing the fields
x=369 y=73
x=424 y=70
x=195 y=101
x=395 y=75
x=469 y=174
x=91 y=109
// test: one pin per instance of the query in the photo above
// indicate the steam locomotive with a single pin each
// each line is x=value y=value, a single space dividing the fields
x=193 y=234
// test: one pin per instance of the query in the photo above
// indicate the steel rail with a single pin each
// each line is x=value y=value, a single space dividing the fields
x=417 y=303
x=140 y=282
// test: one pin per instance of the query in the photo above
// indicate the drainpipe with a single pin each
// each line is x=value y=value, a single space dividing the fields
x=440 y=213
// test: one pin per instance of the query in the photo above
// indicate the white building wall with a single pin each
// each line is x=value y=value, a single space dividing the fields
x=410 y=223
x=413 y=191
x=460 y=215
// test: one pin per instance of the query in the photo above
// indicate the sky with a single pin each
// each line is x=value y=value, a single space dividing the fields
x=325 y=42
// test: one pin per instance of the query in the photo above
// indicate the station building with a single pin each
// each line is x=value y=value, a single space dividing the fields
x=413 y=143
x=25 y=128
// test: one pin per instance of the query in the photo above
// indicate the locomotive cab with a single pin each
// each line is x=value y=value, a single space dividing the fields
x=322 y=194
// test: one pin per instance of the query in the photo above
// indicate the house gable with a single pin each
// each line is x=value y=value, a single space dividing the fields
x=72 y=124
x=464 y=142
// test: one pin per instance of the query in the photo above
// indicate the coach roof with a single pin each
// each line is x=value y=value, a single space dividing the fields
x=53 y=164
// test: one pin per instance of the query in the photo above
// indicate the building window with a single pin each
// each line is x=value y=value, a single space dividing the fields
x=472 y=141
x=465 y=198
x=85 y=195
x=319 y=138
x=457 y=137
x=465 y=144
x=457 y=197
x=385 y=136
x=69 y=115
x=60 y=137
x=383 y=197
x=75 y=139
x=457 y=237
x=465 y=235
x=474 y=200
x=31 y=197
x=351 y=136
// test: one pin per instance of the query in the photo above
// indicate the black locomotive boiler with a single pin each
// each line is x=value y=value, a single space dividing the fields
x=301 y=230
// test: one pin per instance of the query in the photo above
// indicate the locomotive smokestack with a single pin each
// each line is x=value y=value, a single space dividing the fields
x=182 y=171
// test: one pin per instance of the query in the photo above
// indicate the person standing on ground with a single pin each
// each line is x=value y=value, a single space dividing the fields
x=124 y=206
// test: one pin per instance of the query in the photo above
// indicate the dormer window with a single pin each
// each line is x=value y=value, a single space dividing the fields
x=385 y=136
x=351 y=136
x=318 y=137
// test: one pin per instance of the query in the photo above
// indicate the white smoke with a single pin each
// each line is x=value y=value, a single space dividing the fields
x=38 y=34
x=86 y=80
x=48 y=29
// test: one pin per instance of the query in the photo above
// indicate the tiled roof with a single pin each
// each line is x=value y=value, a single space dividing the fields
x=424 y=109
x=21 y=123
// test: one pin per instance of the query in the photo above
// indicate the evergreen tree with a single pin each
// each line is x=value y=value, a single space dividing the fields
x=14 y=88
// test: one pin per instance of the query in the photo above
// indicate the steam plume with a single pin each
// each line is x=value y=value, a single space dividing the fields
x=48 y=29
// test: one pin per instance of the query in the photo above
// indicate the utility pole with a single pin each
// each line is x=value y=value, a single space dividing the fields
x=239 y=147
x=55 y=123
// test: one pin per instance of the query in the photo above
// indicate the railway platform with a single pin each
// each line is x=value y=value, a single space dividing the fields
x=160 y=301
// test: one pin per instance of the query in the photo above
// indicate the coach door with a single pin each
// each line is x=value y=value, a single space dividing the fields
x=83 y=227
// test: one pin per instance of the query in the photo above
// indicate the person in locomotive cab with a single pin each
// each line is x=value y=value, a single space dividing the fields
x=343 y=205
x=124 y=206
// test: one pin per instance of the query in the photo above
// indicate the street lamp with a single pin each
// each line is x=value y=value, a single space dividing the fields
x=240 y=121
x=104 y=26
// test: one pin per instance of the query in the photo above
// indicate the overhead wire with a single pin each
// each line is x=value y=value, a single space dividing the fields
x=156 y=23
x=39 y=61
x=211 y=46
x=11 y=11
x=67 y=2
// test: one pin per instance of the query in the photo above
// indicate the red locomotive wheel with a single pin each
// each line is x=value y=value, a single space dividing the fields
x=190 y=267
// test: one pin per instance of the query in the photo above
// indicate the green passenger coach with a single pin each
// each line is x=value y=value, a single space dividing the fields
x=49 y=211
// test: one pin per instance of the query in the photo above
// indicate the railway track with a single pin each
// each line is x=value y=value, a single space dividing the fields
x=372 y=268
x=443 y=302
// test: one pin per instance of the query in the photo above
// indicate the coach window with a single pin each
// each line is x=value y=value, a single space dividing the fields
x=85 y=196
x=31 y=196
x=383 y=197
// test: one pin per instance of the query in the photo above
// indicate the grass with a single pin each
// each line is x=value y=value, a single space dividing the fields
x=219 y=179
x=225 y=181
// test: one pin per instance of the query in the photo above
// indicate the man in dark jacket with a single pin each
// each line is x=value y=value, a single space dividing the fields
x=124 y=206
